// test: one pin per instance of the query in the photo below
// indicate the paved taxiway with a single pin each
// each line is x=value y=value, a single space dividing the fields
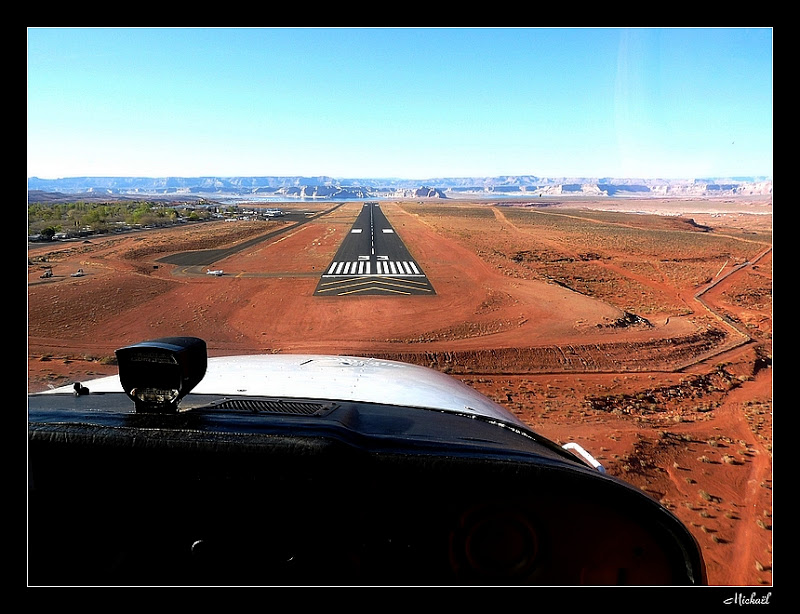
x=195 y=260
x=372 y=259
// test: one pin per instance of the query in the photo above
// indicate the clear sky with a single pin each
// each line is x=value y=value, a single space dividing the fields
x=410 y=102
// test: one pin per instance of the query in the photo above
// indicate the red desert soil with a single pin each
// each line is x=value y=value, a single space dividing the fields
x=645 y=337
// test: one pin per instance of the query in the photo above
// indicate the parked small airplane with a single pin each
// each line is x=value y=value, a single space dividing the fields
x=47 y=273
x=78 y=273
x=217 y=272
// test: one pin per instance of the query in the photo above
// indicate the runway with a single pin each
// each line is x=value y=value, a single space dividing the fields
x=372 y=260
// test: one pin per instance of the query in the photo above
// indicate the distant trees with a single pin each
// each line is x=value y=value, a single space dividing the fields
x=80 y=217
x=48 y=233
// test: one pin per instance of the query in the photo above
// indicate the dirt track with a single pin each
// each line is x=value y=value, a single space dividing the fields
x=646 y=338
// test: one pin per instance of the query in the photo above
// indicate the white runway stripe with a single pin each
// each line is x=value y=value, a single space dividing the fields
x=400 y=268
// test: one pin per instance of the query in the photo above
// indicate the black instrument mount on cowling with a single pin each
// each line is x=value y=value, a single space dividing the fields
x=157 y=374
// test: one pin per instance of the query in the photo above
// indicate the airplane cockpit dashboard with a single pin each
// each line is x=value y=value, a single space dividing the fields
x=321 y=470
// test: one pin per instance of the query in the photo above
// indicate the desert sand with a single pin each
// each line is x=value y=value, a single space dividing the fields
x=641 y=329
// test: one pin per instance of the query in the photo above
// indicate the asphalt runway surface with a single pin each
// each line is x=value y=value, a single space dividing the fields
x=372 y=260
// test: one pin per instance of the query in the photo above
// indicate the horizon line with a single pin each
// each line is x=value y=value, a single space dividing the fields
x=408 y=178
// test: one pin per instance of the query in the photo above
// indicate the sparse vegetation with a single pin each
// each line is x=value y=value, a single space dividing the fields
x=613 y=256
x=86 y=218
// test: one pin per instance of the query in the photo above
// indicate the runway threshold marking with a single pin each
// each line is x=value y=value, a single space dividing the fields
x=373 y=285
x=372 y=259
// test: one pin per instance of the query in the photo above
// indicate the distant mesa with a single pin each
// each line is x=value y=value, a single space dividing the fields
x=329 y=188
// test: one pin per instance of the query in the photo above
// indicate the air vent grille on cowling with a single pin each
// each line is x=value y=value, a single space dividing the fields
x=272 y=406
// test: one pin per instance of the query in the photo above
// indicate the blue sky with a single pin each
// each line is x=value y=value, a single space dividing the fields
x=409 y=102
